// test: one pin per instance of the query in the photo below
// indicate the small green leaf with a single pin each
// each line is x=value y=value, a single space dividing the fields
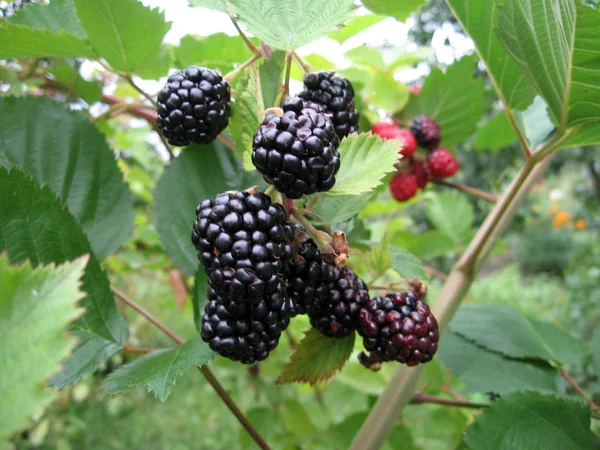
x=588 y=134
x=36 y=305
x=595 y=344
x=119 y=31
x=388 y=94
x=158 y=371
x=431 y=244
x=535 y=122
x=401 y=10
x=57 y=16
x=34 y=225
x=355 y=26
x=380 y=259
x=455 y=99
x=451 y=213
x=20 y=41
x=365 y=160
x=317 y=358
x=532 y=420
x=406 y=264
x=199 y=299
x=198 y=173
x=485 y=371
x=342 y=208
x=366 y=56
x=271 y=76
x=291 y=24
x=505 y=330
x=495 y=134
x=62 y=148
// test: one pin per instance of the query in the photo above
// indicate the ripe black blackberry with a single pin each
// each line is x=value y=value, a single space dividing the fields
x=193 y=107
x=308 y=277
x=244 y=242
x=297 y=153
x=398 y=327
x=336 y=96
x=336 y=316
x=244 y=332
x=426 y=131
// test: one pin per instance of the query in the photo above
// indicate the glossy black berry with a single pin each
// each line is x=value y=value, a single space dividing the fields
x=244 y=242
x=193 y=106
x=398 y=327
x=426 y=132
x=337 y=315
x=297 y=153
x=336 y=96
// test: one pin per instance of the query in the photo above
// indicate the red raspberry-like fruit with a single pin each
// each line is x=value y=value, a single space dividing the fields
x=442 y=163
x=419 y=170
x=410 y=143
x=426 y=131
x=385 y=130
x=404 y=186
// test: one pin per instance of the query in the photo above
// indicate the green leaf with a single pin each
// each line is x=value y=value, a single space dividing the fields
x=365 y=160
x=68 y=76
x=389 y=94
x=485 y=371
x=401 y=10
x=588 y=134
x=505 y=330
x=318 y=63
x=36 y=305
x=199 y=299
x=271 y=76
x=380 y=259
x=289 y=25
x=63 y=149
x=454 y=99
x=406 y=264
x=20 y=41
x=479 y=19
x=495 y=134
x=342 y=208
x=218 y=50
x=366 y=56
x=431 y=244
x=200 y=172
x=57 y=16
x=246 y=113
x=296 y=418
x=158 y=65
x=157 y=371
x=218 y=5
x=532 y=420
x=317 y=358
x=355 y=26
x=409 y=58
x=595 y=343
x=35 y=225
x=451 y=213
x=555 y=44
x=124 y=32
x=535 y=122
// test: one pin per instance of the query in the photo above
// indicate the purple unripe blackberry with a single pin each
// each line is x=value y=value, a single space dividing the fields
x=193 y=106
x=426 y=131
x=337 y=315
x=308 y=277
x=244 y=242
x=297 y=153
x=399 y=327
x=336 y=96
x=244 y=332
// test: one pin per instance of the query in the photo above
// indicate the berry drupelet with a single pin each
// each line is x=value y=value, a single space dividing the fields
x=193 y=107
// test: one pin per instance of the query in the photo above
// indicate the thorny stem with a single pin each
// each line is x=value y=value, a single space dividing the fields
x=204 y=369
x=421 y=398
x=235 y=72
x=469 y=190
x=305 y=66
x=578 y=388
x=286 y=83
x=250 y=45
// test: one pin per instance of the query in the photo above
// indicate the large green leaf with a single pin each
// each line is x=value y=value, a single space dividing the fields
x=124 y=32
x=406 y=264
x=455 y=99
x=478 y=18
x=36 y=305
x=531 y=420
x=556 y=43
x=57 y=16
x=200 y=172
x=342 y=208
x=485 y=371
x=63 y=149
x=495 y=134
x=401 y=10
x=365 y=160
x=505 y=330
x=34 y=225
x=157 y=371
x=452 y=214
x=588 y=134
x=19 y=41
x=317 y=358
x=291 y=24
x=355 y=26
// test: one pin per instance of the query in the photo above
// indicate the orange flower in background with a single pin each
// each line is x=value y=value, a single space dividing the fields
x=580 y=224
x=561 y=218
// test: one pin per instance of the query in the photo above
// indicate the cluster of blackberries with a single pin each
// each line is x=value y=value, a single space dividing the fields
x=415 y=173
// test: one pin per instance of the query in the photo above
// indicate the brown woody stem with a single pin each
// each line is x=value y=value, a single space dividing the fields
x=578 y=388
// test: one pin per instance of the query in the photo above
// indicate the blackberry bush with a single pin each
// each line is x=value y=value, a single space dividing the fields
x=297 y=152
x=193 y=107
x=336 y=96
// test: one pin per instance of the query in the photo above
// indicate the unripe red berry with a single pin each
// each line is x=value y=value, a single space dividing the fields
x=442 y=163
x=403 y=186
